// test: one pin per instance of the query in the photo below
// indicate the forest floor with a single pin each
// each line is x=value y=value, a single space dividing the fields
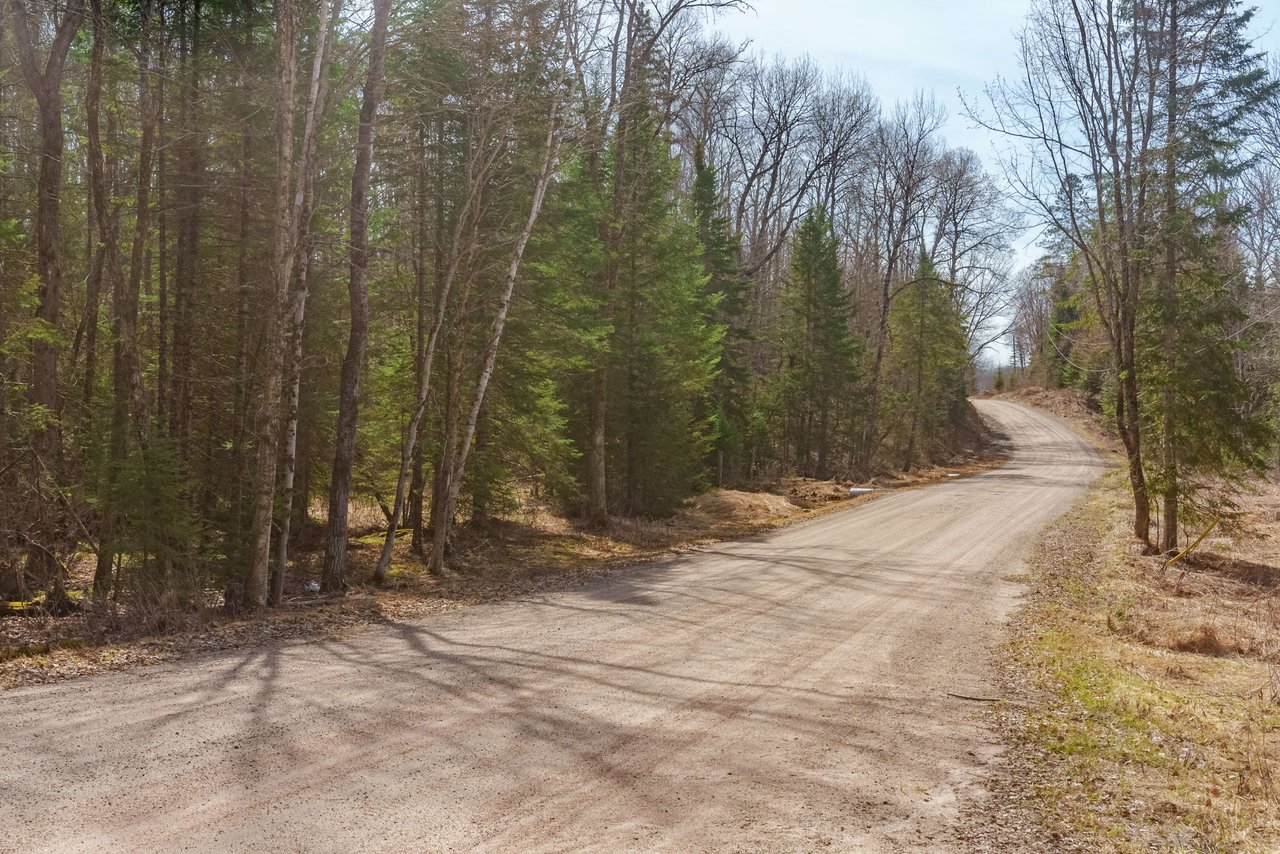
x=532 y=551
x=1142 y=702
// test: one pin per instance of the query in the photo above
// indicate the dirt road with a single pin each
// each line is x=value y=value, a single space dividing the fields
x=792 y=692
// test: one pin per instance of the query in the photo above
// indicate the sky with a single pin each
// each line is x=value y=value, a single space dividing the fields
x=951 y=48
x=900 y=47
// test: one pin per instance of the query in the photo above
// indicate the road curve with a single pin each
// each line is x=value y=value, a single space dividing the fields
x=790 y=692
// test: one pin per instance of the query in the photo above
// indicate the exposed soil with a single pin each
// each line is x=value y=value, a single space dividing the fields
x=1077 y=411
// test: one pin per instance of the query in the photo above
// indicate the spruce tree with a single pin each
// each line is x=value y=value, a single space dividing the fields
x=927 y=356
x=729 y=398
x=1193 y=398
x=820 y=371
x=1191 y=395
x=665 y=343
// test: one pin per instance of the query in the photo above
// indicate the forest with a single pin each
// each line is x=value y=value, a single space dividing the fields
x=264 y=264
x=1151 y=143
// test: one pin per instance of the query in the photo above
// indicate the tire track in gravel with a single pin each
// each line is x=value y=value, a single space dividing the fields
x=788 y=692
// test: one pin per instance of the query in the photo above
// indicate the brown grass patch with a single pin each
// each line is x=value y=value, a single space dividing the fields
x=1152 y=719
x=1204 y=640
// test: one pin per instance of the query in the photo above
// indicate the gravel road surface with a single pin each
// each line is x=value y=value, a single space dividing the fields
x=790 y=692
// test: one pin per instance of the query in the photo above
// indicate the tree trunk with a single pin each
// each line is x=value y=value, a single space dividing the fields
x=597 y=481
x=105 y=261
x=1169 y=302
x=1128 y=426
x=304 y=203
x=335 y=562
x=915 y=409
x=45 y=81
x=444 y=521
x=417 y=483
x=244 y=307
x=187 y=260
x=267 y=432
x=480 y=160
x=871 y=429
x=292 y=401
x=125 y=364
x=451 y=429
x=163 y=370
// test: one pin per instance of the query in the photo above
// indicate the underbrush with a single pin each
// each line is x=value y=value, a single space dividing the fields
x=533 y=549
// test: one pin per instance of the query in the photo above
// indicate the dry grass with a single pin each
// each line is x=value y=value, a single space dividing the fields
x=1224 y=599
x=1148 y=716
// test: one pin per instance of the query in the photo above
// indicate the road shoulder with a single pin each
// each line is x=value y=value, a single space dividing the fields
x=1139 y=705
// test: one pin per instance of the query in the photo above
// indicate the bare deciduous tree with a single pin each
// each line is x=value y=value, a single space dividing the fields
x=1086 y=102
x=43 y=77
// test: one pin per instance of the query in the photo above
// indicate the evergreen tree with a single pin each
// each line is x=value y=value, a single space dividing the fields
x=1064 y=318
x=155 y=532
x=1191 y=395
x=729 y=397
x=928 y=354
x=820 y=372
x=664 y=346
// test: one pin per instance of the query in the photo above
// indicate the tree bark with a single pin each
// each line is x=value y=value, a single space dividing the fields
x=480 y=160
x=304 y=204
x=597 y=457
x=453 y=483
x=45 y=83
x=267 y=432
x=163 y=369
x=189 y=198
x=244 y=303
x=335 y=564
x=417 y=483
x=105 y=267
x=1169 y=302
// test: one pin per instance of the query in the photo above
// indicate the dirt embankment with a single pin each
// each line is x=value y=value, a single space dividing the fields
x=1145 y=698
x=1083 y=415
